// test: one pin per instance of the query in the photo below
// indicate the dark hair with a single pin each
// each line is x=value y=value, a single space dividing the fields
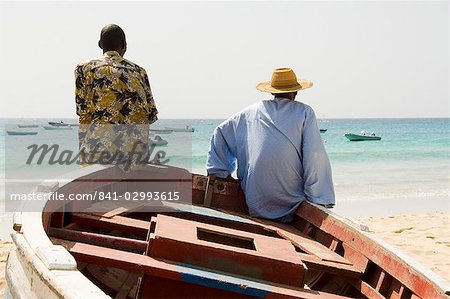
x=112 y=37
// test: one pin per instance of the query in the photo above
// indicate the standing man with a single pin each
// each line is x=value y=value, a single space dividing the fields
x=280 y=156
x=110 y=91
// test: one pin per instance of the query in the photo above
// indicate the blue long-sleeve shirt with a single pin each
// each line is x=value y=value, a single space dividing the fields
x=281 y=160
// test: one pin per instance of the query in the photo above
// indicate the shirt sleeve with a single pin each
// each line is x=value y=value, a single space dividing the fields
x=318 y=181
x=151 y=106
x=220 y=161
x=80 y=91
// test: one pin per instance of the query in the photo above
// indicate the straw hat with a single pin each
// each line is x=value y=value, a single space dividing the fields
x=284 y=80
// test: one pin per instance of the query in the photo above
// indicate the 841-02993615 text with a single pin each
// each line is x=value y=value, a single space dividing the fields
x=100 y=195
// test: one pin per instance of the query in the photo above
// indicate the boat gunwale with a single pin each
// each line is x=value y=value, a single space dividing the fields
x=440 y=285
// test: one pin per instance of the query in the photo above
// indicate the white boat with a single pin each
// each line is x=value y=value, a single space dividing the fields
x=57 y=128
x=161 y=131
x=186 y=129
x=20 y=133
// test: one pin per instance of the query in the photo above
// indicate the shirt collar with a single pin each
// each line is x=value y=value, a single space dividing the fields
x=281 y=98
x=111 y=53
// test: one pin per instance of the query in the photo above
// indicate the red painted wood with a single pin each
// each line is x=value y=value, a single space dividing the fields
x=130 y=225
x=367 y=290
x=372 y=250
x=99 y=239
x=139 y=263
x=158 y=287
x=272 y=259
x=315 y=263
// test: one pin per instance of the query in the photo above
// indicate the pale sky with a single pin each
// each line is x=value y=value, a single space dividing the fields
x=204 y=59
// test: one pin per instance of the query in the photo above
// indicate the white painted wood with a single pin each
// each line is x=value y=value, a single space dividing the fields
x=56 y=257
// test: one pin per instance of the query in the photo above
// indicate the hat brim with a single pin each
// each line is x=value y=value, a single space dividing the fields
x=267 y=87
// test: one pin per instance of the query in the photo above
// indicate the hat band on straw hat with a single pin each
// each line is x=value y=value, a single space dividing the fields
x=288 y=84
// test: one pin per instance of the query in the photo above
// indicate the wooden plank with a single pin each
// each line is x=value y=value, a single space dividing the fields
x=99 y=239
x=314 y=263
x=365 y=289
x=139 y=263
x=393 y=265
x=129 y=283
x=125 y=224
x=313 y=247
x=226 y=250
x=359 y=261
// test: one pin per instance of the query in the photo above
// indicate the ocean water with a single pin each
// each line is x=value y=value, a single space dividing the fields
x=411 y=162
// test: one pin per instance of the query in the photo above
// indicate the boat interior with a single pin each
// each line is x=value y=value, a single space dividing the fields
x=210 y=247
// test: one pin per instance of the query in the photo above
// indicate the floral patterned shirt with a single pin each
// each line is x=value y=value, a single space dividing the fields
x=115 y=106
x=113 y=90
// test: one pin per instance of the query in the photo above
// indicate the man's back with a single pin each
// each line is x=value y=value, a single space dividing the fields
x=114 y=103
x=280 y=156
x=113 y=90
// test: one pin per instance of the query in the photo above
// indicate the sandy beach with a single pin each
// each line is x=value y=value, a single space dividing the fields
x=424 y=237
x=4 y=249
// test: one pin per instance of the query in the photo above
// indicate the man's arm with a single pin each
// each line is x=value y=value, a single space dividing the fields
x=80 y=92
x=317 y=175
x=151 y=106
x=220 y=161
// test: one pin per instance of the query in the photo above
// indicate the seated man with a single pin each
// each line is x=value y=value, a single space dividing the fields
x=281 y=159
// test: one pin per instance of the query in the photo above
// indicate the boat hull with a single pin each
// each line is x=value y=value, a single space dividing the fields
x=57 y=127
x=145 y=254
x=15 y=133
x=357 y=137
x=189 y=130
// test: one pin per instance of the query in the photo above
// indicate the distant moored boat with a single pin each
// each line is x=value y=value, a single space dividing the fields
x=27 y=126
x=323 y=130
x=21 y=133
x=161 y=131
x=186 y=129
x=361 y=137
x=56 y=124
x=57 y=128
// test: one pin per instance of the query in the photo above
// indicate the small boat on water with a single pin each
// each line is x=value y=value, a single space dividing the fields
x=323 y=130
x=186 y=129
x=21 y=133
x=161 y=131
x=27 y=126
x=362 y=136
x=205 y=245
x=58 y=124
x=158 y=141
x=57 y=127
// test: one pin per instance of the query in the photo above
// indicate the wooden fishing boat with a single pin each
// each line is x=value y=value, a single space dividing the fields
x=361 y=137
x=21 y=133
x=211 y=248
